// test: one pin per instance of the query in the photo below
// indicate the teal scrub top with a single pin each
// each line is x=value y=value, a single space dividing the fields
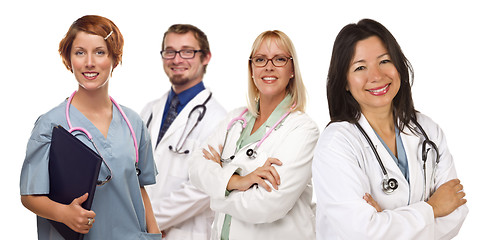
x=118 y=204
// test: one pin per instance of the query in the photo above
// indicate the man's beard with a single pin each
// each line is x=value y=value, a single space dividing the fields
x=179 y=80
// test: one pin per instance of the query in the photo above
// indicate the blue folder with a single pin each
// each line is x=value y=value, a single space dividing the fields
x=73 y=171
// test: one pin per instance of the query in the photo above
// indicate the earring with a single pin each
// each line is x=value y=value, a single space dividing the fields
x=292 y=76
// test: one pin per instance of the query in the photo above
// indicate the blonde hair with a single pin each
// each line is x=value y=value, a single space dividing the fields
x=295 y=87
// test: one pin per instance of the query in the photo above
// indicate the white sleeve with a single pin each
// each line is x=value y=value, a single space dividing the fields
x=179 y=206
x=206 y=175
x=256 y=205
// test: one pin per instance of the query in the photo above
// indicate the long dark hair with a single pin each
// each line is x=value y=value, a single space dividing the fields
x=342 y=105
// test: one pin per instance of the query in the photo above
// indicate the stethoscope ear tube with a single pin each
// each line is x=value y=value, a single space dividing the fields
x=388 y=184
x=424 y=144
x=182 y=140
x=383 y=169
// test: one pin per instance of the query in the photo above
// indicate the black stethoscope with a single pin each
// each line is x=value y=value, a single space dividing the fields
x=182 y=140
x=390 y=184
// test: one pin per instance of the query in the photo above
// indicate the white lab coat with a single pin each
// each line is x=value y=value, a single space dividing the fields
x=286 y=213
x=180 y=209
x=345 y=168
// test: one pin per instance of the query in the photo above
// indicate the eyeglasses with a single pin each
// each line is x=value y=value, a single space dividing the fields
x=185 y=53
x=278 y=61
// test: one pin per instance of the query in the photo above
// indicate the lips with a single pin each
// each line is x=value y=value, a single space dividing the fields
x=90 y=75
x=380 y=90
x=178 y=69
x=269 y=79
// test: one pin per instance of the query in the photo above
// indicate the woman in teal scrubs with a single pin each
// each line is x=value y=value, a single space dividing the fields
x=121 y=209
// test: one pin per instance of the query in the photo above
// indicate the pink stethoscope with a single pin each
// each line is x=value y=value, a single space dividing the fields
x=251 y=152
x=90 y=138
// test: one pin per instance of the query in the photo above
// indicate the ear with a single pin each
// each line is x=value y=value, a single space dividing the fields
x=207 y=58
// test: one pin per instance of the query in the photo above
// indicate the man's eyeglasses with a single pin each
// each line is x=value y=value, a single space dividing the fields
x=278 y=61
x=185 y=53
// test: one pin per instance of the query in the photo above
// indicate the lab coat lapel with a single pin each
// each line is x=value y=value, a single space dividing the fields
x=411 y=143
x=157 y=117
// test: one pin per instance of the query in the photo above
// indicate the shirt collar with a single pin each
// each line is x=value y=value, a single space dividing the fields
x=187 y=95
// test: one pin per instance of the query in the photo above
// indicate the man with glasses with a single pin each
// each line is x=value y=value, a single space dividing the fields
x=179 y=122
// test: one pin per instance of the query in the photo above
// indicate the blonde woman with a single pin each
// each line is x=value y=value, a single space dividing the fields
x=256 y=167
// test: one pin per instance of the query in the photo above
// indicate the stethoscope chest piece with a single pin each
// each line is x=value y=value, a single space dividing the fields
x=251 y=153
x=138 y=170
x=389 y=185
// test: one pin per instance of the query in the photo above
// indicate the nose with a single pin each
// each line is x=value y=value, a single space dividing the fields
x=269 y=65
x=375 y=74
x=90 y=61
x=177 y=59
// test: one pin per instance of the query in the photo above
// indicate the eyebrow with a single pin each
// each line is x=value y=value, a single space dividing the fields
x=362 y=60
x=182 y=47
x=97 y=48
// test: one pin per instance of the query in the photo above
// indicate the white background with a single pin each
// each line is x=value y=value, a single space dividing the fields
x=446 y=43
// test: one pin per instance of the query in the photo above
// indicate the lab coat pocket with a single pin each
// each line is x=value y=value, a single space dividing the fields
x=178 y=162
x=150 y=236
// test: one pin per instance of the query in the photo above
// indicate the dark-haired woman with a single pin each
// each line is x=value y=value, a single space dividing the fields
x=371 y=178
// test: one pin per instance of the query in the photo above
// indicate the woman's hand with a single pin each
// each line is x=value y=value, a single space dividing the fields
x=370 y=200
x=213 y=154
x=76 y=217
x=447 y=198
x=266 y=172
x=73 y=215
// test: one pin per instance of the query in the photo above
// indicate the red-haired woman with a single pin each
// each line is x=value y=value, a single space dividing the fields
x=91 y=49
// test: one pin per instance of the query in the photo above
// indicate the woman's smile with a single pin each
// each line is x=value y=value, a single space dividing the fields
x=380 y=90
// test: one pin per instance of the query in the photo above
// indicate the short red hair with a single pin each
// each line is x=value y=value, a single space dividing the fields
x=95 y=25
